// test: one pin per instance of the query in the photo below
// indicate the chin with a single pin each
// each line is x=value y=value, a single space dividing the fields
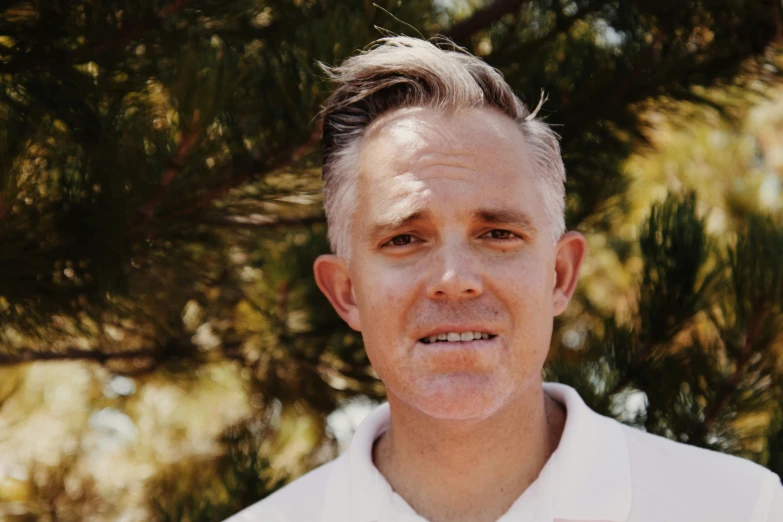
x=459 y=397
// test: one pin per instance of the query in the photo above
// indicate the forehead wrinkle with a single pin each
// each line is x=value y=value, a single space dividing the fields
x=433 y=165
x=455 y=158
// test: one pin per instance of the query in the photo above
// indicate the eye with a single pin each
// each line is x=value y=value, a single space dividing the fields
x=500 y=234
x=401 y=240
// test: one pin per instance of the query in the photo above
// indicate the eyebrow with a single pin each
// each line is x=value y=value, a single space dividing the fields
x=497 y=217
x=382 y=229
x=500 y=217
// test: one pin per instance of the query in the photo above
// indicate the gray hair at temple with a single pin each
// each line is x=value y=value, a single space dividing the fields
x=401 y=72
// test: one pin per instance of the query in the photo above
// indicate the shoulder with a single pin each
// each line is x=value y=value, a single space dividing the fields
x=302 y=499
x=674 y=481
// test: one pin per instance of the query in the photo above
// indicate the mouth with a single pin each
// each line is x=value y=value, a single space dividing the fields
x=456 y=337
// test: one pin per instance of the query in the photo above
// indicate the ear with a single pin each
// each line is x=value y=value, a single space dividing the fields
x=569 y=254
x=334 y=280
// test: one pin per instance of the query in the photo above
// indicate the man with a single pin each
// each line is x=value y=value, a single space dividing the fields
x=445 y=200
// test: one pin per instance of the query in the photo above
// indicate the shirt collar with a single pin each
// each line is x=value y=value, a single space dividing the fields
x=587 y=478
x=592 y=467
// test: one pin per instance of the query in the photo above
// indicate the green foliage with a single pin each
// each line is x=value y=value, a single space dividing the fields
x=599 y=60
x=675 y=249
x=703 y=343
x=214 y=489
x=160 y=206
x=757 y=281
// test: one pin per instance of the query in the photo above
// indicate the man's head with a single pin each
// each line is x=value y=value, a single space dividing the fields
x=444 y=199
x=405 y=72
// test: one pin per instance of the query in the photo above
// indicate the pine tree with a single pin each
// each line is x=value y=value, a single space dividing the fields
x=160 y=206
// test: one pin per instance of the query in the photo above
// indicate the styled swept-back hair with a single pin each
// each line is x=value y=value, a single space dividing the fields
x=400 y=72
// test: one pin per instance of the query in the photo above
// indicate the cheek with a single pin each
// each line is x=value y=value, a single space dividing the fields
x=382 y=295
x=527 y=283
x=526 y=292
x=384 y=299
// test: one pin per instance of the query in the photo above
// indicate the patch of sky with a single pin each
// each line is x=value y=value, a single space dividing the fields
x=114 y=425
x=452 y=4
x=628 y=407
x=770 y=191
x=119 y=386
x=573 y=339
x=342 y=423
x=607 y=36
x=570 y=9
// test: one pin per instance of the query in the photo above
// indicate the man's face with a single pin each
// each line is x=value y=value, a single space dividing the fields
x=450 y=239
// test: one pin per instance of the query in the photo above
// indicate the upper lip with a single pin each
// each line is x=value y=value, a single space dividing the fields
x=457 y=329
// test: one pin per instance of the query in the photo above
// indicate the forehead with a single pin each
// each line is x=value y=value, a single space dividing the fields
x=411 y=153
x=413 y=138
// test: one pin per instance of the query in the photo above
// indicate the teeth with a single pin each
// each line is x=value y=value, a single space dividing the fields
x=454 y=337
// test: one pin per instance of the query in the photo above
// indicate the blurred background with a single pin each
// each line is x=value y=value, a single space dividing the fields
x=164 y=352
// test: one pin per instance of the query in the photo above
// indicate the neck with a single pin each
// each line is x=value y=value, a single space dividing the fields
x=468 y=470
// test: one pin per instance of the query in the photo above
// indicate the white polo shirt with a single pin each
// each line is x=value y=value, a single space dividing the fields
x=602 y=471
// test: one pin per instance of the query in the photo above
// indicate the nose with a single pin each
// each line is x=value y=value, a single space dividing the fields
x=454 y=274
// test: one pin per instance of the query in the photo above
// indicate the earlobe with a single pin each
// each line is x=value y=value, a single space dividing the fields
x=569 y=254
x=333 y=278
x=559 y=301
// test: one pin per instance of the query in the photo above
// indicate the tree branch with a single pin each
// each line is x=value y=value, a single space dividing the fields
x=644 y=354
x=172 y=8
x=645 y=59
x=778 y=14
x=263 y=221
x=482 y=18
x=283 y=292
x=188 y=139
x=731 y=384
x=122 y=36
x=73 y=354
x=248 y=174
